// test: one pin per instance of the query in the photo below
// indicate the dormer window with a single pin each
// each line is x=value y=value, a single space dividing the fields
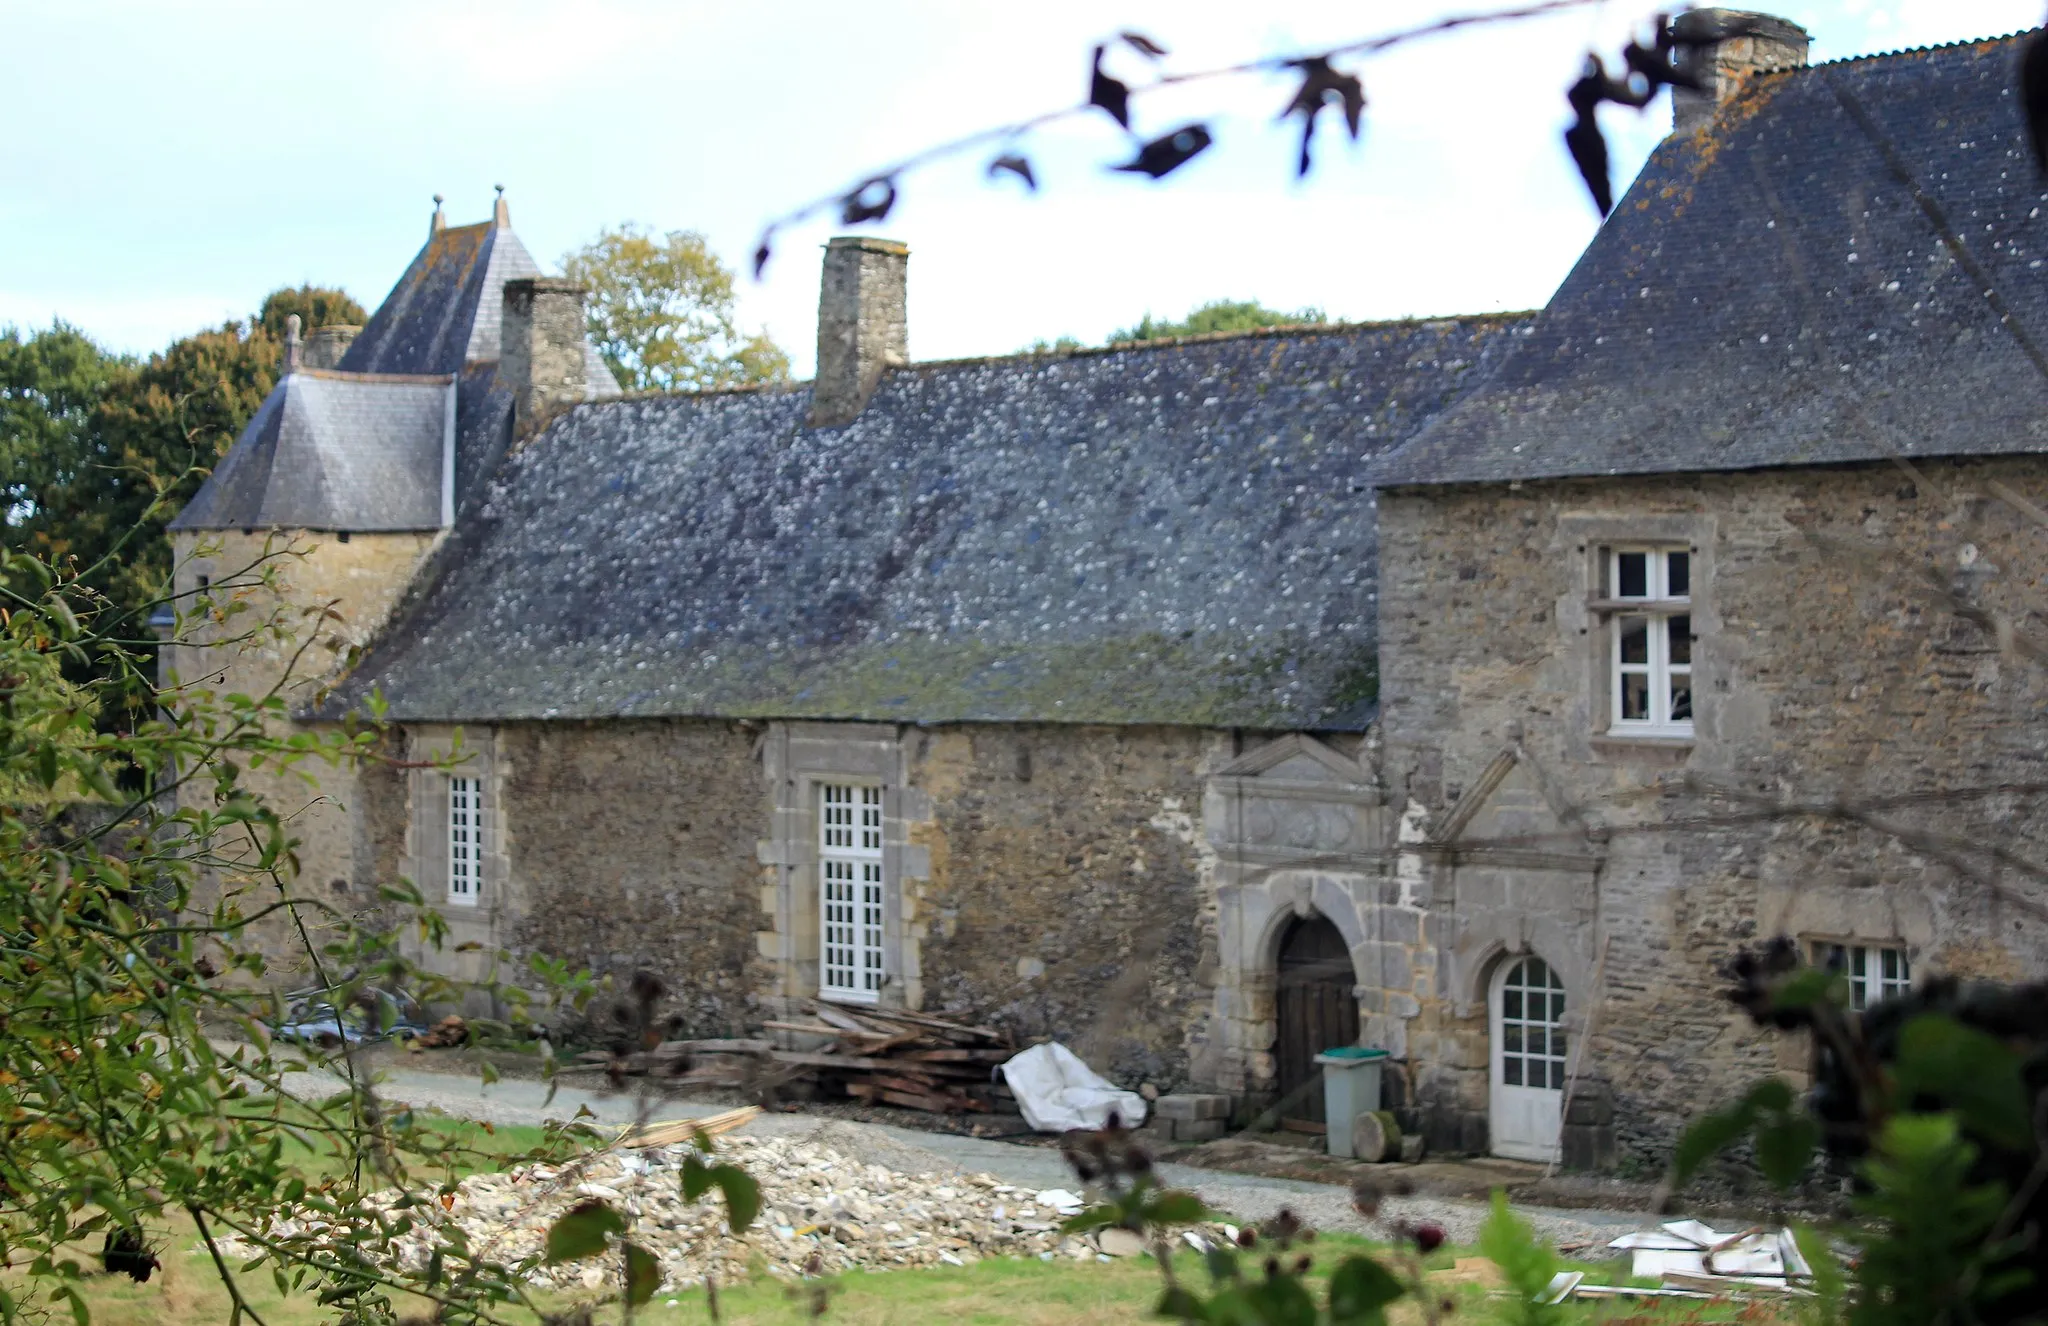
x=1649 y=593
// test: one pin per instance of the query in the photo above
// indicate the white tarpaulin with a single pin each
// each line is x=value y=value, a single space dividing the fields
x=1058 y=1093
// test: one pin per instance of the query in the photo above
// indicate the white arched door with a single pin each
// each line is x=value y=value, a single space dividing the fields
x=1528 y=1059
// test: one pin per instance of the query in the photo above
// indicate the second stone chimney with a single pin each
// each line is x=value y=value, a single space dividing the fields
x=1726 y=47
x=540 y=357
x=863 y=326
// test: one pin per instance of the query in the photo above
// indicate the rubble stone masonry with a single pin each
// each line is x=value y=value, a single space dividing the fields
x=1866 y=637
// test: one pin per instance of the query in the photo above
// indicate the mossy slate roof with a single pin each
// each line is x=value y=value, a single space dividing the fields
x=1174 y=534
x=1803 y=282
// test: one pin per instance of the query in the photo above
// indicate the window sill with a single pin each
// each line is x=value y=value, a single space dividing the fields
x=1671 y=747
x=1654 y=607
x=849 y=997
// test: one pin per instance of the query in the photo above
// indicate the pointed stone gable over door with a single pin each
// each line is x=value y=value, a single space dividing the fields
x=1519 y=865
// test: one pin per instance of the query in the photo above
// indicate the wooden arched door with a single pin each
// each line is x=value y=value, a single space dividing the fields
x=1316 y=1009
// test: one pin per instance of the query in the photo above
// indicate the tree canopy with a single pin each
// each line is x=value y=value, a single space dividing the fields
x=1220 y=315
x=316 y=306
x=98 y=451
x=662 y=313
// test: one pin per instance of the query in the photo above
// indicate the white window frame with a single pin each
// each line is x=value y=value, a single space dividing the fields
x=1875 y=972
x=1661 y=610
x=465 y=839
x=850 y=892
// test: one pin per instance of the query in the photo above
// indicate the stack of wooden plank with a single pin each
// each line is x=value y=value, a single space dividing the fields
x=896 y=1057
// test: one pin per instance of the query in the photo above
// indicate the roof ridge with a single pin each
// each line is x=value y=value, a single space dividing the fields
x=1210 y=338
x=1910 y=50
x=340 y=375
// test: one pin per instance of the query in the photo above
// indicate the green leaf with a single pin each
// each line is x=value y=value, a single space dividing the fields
x=1969 y=1070
x=742 y=1196
x=1525 y=1262
x=643 y=1274
x=696 y=1177
x=581 y=1231
x=1222 y=1263
x=1095 y=1217
x=1773 y=1093
x=1785 y=1147
x=1708 y=1136
x=1176 y=1208
x=1181 y=1305
x=1279 y=1300
x=1359 y=1288
x=1809 y=986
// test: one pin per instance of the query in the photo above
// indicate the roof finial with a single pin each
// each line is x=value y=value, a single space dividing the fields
x=440 y=221
x=501 y=215
x=291 y=343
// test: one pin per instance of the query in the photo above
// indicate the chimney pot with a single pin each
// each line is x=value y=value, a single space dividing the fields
x=541 y=350
x=1726 y=47
x=863 y=327
x=440 y=221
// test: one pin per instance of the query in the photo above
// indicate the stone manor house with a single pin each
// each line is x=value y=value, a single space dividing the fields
x=1468 y=687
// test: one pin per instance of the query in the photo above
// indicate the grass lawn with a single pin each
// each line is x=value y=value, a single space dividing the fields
x=994 y=1292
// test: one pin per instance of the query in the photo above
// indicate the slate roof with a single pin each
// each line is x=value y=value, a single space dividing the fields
x=444 y=312
x=335 y=451
x=1174 y=534
x=1776 y=290
x=360 y=447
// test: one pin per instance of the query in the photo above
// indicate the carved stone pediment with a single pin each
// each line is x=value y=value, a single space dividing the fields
x=1515 y=814
x=1295 y=800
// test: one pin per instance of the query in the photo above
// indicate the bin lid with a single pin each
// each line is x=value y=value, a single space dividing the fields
x=1350 y=1055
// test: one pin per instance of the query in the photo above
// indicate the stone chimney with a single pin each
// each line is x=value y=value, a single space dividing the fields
x=863 y=329
x=291 y=343
x=325 y=347
x=1726 y=47
x=540 y=359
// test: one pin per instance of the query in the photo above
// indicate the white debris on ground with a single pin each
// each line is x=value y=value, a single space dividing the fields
x=822 y=1212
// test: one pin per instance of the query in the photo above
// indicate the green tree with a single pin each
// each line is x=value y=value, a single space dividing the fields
x=1222 y=315
x=661 y=313
x=317 y=306
x=126 y=949
x=98 y=451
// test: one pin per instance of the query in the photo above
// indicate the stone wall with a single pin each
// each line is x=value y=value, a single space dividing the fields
x=1864 y=636
x=283 y=613
x=1053 y=880
x=1069 y=891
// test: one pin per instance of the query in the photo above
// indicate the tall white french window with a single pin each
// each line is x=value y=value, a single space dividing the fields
x=1651 y=590
x=465 y=840
x=850 y=890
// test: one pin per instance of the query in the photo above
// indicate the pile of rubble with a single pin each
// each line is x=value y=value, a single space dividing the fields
x=823 y=1211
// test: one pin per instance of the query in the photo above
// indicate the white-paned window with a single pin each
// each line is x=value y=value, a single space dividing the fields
x=1875 y=971
x=465 y=840
x=850 y=890
x=1651 y=593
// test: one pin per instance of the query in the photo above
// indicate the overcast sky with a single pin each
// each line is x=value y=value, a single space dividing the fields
x=168 y=164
